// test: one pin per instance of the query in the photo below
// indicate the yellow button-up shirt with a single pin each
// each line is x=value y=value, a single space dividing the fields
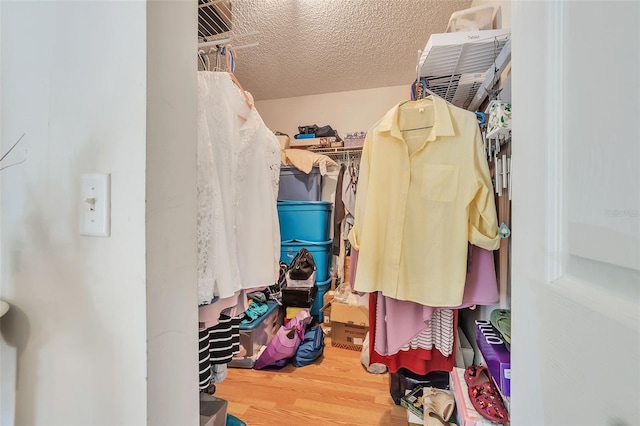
x=424 y=191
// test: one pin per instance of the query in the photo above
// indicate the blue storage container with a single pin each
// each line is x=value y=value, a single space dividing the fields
x=304 y=220
x=321 y=252
x=298 y=186
x=323 y=287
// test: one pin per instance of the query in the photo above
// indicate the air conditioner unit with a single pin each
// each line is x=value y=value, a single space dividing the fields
x=456 y=65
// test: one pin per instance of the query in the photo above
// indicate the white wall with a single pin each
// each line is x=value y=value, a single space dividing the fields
x=171 y=213
x=355 y=110
x=73 y=346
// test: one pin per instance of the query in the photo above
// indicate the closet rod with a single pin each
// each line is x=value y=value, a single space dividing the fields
x=244 y=46
x=224 y=41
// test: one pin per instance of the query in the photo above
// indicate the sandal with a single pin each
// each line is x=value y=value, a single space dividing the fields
x=501 y=320
x=484 y=396
x=470 y=374
x=439 y=401
x=433 y=419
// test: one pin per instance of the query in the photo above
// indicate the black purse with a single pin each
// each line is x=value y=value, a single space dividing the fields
x=307 y=130
x=302 y=266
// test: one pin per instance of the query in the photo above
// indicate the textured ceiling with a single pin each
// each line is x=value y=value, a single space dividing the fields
x=321 y=46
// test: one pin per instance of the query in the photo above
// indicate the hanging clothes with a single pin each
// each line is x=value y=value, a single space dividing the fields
x=209 y=315
x=217 y=346
x=238 y=177
x=419 y=361
x=349 y=187
x=338 y=212
x=401 y=322
x=422 y=196
x=437 y=335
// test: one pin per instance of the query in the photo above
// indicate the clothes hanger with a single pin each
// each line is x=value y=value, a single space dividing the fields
x=202 y=61
x=418 y=89
x=230 y=56
x=212 y=50
x=218 y=53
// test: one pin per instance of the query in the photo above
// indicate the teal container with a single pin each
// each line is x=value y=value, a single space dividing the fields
x=323 y=287
x=304 y=220
x=234 y=421
x=321 y=252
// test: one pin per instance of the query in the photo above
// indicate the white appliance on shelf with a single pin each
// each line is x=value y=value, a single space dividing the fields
x=458 y=66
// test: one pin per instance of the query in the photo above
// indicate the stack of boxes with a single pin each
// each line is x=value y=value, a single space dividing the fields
x=304 y=223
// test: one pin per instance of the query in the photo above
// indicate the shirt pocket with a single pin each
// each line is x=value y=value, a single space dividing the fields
x=439 y=182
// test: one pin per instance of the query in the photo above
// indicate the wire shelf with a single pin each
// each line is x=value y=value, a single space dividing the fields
x=224 y=21
x=338 y=153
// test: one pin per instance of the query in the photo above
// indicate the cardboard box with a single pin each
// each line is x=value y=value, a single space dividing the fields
x=412 y=401
x=326 y=306
x=305 y=142
x=414 y=420
x=495 y=354
x=349 y=326
x=464 y=351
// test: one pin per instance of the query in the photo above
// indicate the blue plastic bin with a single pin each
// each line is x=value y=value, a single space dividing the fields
x=234 y=421
x=304 y=220
x=320 y=251
x=299 y=186
x=323 y=287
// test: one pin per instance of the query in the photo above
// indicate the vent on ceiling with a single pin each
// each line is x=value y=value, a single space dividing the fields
x=222 y=21
x=456 y=65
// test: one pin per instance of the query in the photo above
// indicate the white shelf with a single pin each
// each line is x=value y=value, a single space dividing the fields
x=456 y=65
x=339 y=152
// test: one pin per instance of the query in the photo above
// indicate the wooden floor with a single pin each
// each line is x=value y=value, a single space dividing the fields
x=335 y=390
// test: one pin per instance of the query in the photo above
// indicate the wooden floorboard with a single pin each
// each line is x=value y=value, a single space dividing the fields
x=334 y=390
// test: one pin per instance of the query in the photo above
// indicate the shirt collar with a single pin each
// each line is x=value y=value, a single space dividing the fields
x=442 y=125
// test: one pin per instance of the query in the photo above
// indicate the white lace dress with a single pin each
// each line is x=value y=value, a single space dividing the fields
x=238 y=176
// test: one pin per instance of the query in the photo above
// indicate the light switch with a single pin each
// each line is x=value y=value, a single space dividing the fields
x=95 y=202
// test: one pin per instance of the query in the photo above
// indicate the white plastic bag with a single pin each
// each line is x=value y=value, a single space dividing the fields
x=364 y=359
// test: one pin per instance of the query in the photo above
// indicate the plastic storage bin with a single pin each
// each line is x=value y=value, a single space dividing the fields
x=298 y=186
x=304 y=220
x=321 y=252
x=323 y=287
x=258 y=333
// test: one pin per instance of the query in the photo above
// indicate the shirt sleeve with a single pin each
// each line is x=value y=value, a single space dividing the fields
x=483 y=220
x=355 y=235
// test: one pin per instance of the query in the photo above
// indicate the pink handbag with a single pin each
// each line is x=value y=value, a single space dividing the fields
x=285 y=343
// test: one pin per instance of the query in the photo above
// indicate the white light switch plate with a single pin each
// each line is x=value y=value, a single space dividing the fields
x=95 y=205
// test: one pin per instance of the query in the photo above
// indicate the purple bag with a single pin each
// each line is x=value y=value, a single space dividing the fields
x=285 y=343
